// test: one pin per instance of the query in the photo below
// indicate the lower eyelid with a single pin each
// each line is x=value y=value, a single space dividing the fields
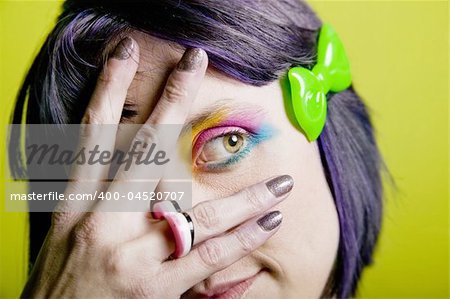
x=254 y=138
x=232 y=160
x=207 y=135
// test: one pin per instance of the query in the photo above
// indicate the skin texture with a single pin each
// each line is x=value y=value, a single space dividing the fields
x=297 y=261
x=124 y=254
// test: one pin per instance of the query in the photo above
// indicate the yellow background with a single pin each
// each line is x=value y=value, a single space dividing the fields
x=399 y=56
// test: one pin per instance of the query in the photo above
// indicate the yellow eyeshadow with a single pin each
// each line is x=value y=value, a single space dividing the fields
x=209 y=122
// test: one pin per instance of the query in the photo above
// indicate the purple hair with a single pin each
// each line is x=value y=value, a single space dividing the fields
x=255 y=42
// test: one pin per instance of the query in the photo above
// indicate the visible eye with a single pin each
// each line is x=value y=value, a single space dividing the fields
x=129 y=111
x=222 y=148
x=219 y=147
x=233 y=142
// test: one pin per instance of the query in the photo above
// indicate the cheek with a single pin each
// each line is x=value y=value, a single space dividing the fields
x=306 y=245
x=253 y=168
x=309 y=241
x=309 y=236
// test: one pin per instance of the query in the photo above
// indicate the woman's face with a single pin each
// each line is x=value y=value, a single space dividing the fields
x=259 y=142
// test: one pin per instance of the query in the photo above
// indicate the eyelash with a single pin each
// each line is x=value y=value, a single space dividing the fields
x=128 y=112
x=253 y=139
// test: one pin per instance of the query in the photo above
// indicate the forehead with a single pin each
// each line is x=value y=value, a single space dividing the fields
x=159 y=57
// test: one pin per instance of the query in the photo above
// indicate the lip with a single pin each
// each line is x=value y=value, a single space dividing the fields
x=232 y=290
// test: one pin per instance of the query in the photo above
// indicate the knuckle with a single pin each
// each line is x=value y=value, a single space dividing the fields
x=206 y=216
x=141 y=290
x=107 y=77
x=174 y=91
x=119 y=265
x=59 y=220
x=247 y=240
x=87 y=231
x=255 y=199
x=211 y=253
x=146 y=134
x=116 y=262
x=91 y=116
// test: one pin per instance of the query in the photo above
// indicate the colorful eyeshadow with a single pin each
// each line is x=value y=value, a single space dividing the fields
x=248 y=123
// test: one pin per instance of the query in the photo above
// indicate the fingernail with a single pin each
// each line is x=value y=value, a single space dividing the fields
x=191 y=60
x=280 y=185
x=124 y=49
x=270 y=221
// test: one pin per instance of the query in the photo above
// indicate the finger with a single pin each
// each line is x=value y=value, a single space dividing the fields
x=108 y=98
x=172 y=109
x=181 y=89
x=155 y=246
x=214 y=217
x=218 y=253
x=99 y=123
x=104 y=108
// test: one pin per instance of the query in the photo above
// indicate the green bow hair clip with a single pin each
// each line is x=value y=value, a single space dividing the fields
x=309 y=87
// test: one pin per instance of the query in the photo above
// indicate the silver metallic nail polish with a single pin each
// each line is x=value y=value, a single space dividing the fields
x=191 y=60
x=280 y=185
x=124 y=49
x=270 y=221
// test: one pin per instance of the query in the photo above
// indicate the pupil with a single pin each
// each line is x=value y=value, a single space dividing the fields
x=233 y=140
